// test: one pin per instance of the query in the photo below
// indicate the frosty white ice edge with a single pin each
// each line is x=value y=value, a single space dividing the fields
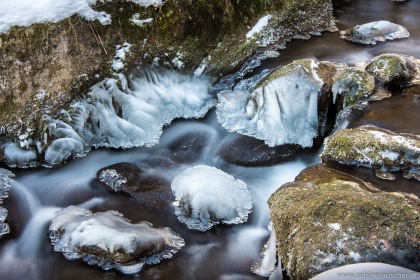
x=117 y=118
x=206 y=196
x=109 y=240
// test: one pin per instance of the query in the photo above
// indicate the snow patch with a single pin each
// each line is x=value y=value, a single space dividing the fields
x=259 y=26
x=135 y=19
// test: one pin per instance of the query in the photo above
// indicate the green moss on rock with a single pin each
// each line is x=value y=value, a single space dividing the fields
x=326 y=218
x=374 y=147
x=393 y=69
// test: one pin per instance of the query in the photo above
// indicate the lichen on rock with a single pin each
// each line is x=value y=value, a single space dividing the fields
x=326 y=218
x=393 y=69
x=375 y=147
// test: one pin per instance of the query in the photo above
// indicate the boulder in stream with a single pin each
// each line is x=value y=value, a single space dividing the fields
x=326 y=219
x=109 y=240
x=377 y=148
x=283 y=107
x=373 y=32
x=393 y=69
x=206 y=196
x=133 y=180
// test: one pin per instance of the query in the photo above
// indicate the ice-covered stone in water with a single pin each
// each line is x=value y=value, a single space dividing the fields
x=135 y=117
x=206 y=196
x=109 y=240
x=281 y=109
x=373 y=32
x=18 y=157
x=5 y=184
x=112 y=179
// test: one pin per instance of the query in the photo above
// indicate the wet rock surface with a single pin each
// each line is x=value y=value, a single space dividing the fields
x=109 y=240
x=248 y=151
x=373 y=32
x=129 y=178
x=326 y=218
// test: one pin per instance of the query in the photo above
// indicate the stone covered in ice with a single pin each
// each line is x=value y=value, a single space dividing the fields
x=281 y=109
x=109 y=240
x=206 y=196
x=393 y=69
x=354 y=85
x=5 y=184
x=373 y=32
x=375 y=147
x=15 y=156
x=110 y=117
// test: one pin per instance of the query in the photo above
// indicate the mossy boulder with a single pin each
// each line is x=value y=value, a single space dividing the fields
x=326 y=219
x=374 y=147
x=393 y=69
x=354 y=85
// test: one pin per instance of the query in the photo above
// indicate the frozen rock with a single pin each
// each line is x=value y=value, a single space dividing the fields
x=126 y=177
x=15 y=156
x=354 y=85
x=376 y=148
x=135 y=117
x=347 y=221
x=206 y=196
x=373 y=32
x=281 y=109
x=109 y=240
x=5 y=184
x=393 y=69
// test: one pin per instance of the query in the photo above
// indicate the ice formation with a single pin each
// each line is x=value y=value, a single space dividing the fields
x=281 y=110
x=206 y=196
x=27 y=12
x=16 y=156
x=373 y=32
x=5 y=184
x=268 y=262
x=109 y=117
x=109 y=240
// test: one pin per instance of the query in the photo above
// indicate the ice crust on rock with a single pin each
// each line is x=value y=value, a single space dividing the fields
x=373 y=32
x=5 y=185
x=280 y=110
x=109 y=240
x=28 y=12
x=110 y=117
x=16 y=156
x=206 y=196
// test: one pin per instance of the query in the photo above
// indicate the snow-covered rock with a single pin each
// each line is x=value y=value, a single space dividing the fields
x=373 y=32
x=281 y=109
x=109 y=240
x=206 y=196
x=5 y=184
x=374 y=147
x=15 y=156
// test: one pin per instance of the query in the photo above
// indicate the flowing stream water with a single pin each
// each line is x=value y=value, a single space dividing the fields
x=224 y=252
